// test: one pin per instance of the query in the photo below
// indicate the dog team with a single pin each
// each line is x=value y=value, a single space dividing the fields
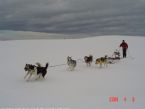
x=39 y=71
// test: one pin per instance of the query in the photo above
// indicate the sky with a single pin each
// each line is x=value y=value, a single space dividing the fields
x=85 y=17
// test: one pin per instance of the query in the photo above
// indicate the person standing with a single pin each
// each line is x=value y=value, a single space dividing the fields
x=124 y=46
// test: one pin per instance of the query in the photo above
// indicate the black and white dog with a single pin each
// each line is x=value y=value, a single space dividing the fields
x=71 y=63
x=38 y=70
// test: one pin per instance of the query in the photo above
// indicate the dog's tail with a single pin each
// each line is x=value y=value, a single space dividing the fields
x=46 y=66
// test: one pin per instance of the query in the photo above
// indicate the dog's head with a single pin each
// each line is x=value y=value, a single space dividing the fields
x=29 y=67
x=69 y=58
x=97 y=61
x=91 y=56
x=26 y=67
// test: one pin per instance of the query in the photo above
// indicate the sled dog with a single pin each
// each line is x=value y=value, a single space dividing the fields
x=38 y=70
x=71 y=63
x=88 y=60
x=102 y=62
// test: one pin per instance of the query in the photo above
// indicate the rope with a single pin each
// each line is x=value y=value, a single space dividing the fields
x=81 y=60
x=57 y=65
x=66 y=64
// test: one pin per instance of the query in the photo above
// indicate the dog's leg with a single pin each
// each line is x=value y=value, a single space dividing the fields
x=89 y=64
x=72 y=68
x=69 y=67
x=96 y=64
x=39 y=76
x=26 y=75
x=106 y=64
x=100 y=64
x=29 y=77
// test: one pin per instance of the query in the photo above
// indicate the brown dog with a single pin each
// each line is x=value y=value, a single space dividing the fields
x=102 y=61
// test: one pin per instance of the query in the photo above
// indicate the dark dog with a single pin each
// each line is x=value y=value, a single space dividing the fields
x=42 y=70
x=38 y=71
x=88 y=60
x=31 y=70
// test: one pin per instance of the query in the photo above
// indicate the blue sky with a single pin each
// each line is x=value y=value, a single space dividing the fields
x=89 y=17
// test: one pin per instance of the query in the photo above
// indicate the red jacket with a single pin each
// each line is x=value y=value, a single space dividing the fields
x=124 y=45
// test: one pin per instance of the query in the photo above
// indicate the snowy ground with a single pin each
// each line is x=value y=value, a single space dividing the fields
x=84 y=88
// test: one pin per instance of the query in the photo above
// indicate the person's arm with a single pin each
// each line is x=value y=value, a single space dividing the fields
x=121 y=45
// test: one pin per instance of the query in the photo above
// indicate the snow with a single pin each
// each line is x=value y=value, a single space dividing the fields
x=83 y=88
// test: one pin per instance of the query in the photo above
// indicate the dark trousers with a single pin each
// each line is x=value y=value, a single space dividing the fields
x=124 y=52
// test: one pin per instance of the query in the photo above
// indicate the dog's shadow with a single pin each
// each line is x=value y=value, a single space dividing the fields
x=34 y=79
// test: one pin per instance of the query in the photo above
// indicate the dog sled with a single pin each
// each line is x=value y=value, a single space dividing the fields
x=115 y=57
